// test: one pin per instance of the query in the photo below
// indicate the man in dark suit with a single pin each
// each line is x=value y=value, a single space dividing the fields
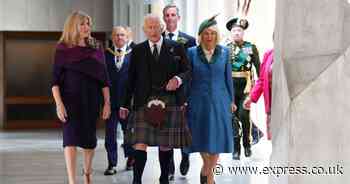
x=171 y=18
x=117 y=60
x=158 y=69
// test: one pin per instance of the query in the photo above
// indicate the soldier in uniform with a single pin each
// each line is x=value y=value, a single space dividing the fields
x=244 y=55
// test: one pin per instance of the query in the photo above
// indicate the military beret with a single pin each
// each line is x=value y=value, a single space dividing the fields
x=243 y=23
x=207 y=23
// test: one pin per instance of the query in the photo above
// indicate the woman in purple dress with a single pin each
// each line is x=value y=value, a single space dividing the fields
x=79 y=83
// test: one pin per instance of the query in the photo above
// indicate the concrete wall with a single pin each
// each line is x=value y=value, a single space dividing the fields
x=310 y=110
x=49 y=15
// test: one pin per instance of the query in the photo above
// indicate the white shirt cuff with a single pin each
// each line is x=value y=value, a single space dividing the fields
x=179 y=80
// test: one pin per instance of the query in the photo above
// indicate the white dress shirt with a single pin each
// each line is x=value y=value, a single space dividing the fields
x=159 y=46
x=176 y=34
x=158 y=43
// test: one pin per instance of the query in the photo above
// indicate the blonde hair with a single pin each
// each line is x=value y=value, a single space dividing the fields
x=214 y=28
x=70 y=34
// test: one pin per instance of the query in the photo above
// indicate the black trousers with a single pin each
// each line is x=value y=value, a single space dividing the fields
x=243 y=118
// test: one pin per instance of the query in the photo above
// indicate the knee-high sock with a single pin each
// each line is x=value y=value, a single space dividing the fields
x=139 y=166
x=171 y=162
x=164 y=160
x=184 y=154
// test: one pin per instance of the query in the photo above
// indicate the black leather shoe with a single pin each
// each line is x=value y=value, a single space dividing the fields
x=110 y=171
x=171 y=169
x=171 y=177
x=236 y=156
x=257 y=135
x=247 y=152
x=136 y=182
x=184 y=165
x=163 y=181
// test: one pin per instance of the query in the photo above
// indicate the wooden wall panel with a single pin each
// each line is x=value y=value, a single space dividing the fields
x=26 y=60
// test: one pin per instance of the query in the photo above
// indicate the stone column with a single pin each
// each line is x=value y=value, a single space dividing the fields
x=130 y=13
x=2 y=81
x=311 y=84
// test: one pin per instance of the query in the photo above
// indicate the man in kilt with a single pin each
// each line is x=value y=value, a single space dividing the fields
x=158 y=68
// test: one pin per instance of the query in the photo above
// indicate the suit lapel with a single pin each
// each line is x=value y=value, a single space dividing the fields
x=125 y=62
x=183 y=35
x=148 y=53
x=163 y=51
x=180 y=34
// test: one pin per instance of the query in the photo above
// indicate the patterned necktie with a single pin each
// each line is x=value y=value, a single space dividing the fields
x=171 y=36
x=118 y=58
x=155 y=52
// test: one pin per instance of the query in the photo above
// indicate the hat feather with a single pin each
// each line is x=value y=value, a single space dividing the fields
x=213 y=17
x=247 y=7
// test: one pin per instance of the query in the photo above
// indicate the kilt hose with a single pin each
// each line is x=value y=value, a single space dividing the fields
x=173 y=133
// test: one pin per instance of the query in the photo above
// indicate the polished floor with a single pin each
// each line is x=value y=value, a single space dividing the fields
x=36 y=157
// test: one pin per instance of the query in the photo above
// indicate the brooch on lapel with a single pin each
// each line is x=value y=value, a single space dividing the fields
x=182 y=40
x=171 y=50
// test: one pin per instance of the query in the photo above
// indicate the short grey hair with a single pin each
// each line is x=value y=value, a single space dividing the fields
x=116 y=28
x=151 y=16
x=154 y=17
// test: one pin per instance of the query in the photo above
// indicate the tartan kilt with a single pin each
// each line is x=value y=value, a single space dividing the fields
x=173 y=133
